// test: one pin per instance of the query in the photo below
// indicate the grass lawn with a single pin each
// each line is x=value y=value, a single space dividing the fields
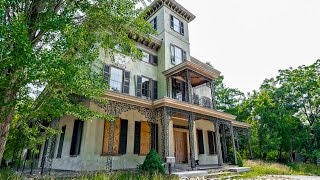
x=260 y=168
x=7 y=174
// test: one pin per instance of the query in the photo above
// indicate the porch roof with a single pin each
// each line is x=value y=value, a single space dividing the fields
x=196 y=66
x=168 y=102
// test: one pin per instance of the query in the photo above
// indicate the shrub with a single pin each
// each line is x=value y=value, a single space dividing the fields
x=240 y=160
x=152 y=163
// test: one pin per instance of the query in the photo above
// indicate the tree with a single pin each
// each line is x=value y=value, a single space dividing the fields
x=227 y=99
x=285 y=114
x=58 y=44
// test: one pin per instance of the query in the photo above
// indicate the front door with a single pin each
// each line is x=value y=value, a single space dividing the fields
x=181 y=152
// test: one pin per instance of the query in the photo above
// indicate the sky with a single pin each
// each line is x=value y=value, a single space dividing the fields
x=250 y=40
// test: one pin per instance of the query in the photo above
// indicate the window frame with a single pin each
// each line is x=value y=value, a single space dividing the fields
x=154 y=23
x=213 y=143
x=173 y=54
x=150 y=87
x=180 y=25
x=76 y=141
x=122 y=79
x=149 y=57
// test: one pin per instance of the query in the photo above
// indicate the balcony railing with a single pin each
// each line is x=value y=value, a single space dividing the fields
x=202 y=101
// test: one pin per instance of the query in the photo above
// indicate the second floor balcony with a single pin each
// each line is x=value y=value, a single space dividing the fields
x=192 y=81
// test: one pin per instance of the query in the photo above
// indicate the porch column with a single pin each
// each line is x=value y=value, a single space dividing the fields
x=236 y=133
x=189 y=96
x=249 y=144
x=233 y=144
x=216 y=124
x=191 y=140
x=213 y=95
x=168 y=86
x=165 y=132
x=224 y=144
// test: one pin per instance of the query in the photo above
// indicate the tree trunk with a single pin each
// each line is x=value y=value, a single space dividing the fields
x=4 y=132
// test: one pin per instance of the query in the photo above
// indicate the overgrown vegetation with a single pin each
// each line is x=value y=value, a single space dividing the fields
x=239 y=159
x=284 y=114
x=153 y=163
x=7 y=174
x=261 y=168
x=55 y=47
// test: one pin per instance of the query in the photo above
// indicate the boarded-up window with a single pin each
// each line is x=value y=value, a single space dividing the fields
x=106 y=136
x=211 y=142
x=145 y=138
x=142 y=138
x=200 y=141
x=116 y=137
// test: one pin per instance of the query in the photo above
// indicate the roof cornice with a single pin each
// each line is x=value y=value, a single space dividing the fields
x=174 y=6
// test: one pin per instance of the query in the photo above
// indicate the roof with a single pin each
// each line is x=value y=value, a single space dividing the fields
x=173 y=5
x=196 y=66
x=150 y=41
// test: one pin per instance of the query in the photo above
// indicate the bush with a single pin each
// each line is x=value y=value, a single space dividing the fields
x=152 y=163
x=240 y=160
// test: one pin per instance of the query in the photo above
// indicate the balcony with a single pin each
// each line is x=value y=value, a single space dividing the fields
x=191 y=82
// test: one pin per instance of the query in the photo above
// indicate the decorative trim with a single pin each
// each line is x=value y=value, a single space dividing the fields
x=173 y=5
x=203 y=70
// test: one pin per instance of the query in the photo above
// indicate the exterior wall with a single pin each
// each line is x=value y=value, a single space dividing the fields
x=90 y=157
x=205 y=158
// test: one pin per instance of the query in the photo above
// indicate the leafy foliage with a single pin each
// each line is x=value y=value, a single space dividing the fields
x=60 y=46
x=239 y=159
x=152 y=163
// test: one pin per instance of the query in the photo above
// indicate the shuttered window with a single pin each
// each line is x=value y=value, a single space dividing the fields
x=63 y=131
x=118 y=79
x=149 y=58
x=144 y=88
x=123 y=136
x=176 y=25
x=76 y=137
x=211 y=137
x=154 y=23
x=155 y=89
x=200 y=141
x=177 y=54
x=126 y=82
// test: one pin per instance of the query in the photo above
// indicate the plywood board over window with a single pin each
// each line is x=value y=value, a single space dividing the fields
x=145 y=141
x=106 y=136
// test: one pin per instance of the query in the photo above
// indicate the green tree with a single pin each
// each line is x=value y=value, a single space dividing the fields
x=227 y=99
x=58 y=44
x=285 y=113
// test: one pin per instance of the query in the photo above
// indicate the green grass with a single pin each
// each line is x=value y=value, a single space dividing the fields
x=308 y=169
x=7 y=174
x=260 y=168
x=124 y=176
